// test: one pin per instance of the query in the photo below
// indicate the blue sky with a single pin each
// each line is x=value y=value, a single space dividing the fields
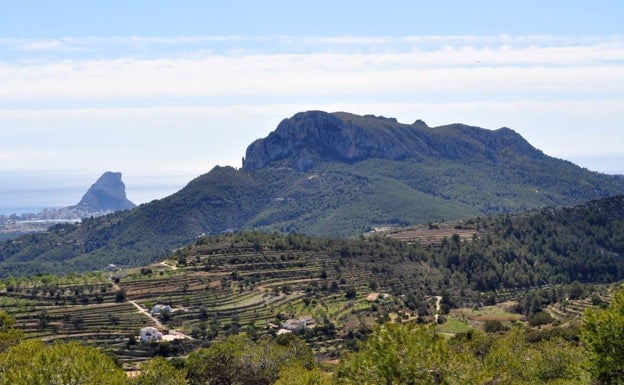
x=37 y=19
x=174 y=88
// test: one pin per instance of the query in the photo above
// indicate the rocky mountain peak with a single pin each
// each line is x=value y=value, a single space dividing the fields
x=108 y=193
x=309 y=138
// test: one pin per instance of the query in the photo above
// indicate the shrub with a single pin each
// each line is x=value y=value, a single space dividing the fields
x=540 y=318
x=493 y=326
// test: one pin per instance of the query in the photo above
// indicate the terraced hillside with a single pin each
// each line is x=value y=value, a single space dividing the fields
x=254 y=282
x=325 y=174
x=86 y=308
x=434 y=234
x=246 y=282
x=250 y=281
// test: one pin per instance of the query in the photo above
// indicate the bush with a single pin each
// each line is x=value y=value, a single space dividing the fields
x=493 y=326
x=120 y=296
x=540 y=318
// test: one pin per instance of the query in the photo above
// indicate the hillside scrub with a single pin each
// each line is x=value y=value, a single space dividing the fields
x=33 y=363
x=239 y=283
x=392 y=354
x=246 y=280
x=603 y=337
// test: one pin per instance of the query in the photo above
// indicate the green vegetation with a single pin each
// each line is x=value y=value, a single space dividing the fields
x=33 y=363
x=396 y=354
x=499 y=288
x=603 y=337
x=9 y=335
x=240 y=360
x=159 y=371
x=392 y=354
x=342 y=175
x=532 y=250
x=542 y=262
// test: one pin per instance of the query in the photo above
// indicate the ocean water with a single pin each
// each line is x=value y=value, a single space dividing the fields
x=31 y=192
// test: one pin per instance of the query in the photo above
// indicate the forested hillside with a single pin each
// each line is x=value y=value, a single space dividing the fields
x=538 y=271
x=325 y=174
x=583 y=243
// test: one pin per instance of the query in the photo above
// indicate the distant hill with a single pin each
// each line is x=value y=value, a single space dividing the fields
x=503 y=253
x=310 y=138
x=334 y=174
x=108 y=193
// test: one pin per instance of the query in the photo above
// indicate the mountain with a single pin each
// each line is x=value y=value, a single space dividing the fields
x=108 y=193
x=322 y=173
x=310 y=138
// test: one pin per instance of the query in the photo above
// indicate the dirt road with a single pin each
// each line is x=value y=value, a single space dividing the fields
x=172 y=333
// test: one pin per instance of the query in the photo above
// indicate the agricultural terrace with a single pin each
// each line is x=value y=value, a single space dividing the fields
x=252 y=282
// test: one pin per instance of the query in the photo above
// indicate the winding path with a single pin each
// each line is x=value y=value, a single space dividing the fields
x=159 y=325
x=438 y=307
x=172 y=267
x=149 y=315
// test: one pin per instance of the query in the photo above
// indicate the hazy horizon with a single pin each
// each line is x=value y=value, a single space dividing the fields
x=29 y=191
x=178 y=88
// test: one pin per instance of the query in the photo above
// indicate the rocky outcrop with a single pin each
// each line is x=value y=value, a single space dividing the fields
x=107 y=194
x=309 y=138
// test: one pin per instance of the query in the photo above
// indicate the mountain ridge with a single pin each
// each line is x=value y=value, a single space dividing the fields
x=317 y=174
x=316 y=136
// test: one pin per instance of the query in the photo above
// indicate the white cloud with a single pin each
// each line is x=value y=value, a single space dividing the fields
x=201 y=104
x=355 y=66
x=530 y=70
x=6 y=156
x=220 y=134
x=322 y=43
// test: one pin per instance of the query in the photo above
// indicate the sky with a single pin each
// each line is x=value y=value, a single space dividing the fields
x=166 y=90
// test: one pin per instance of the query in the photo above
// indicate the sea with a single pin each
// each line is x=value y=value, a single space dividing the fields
x=24 y=192
x=31 y=192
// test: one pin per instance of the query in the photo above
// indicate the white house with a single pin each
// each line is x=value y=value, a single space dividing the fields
x=149 y=334
x=156 y=310
x=295 y=324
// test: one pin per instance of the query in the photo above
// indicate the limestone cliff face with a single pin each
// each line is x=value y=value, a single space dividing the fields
x=311 y=137
x=108 y=193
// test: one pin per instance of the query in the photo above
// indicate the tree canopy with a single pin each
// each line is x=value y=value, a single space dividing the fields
x=603 y=337
x=34 y=363
x=240 y=360
x=9 y=335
